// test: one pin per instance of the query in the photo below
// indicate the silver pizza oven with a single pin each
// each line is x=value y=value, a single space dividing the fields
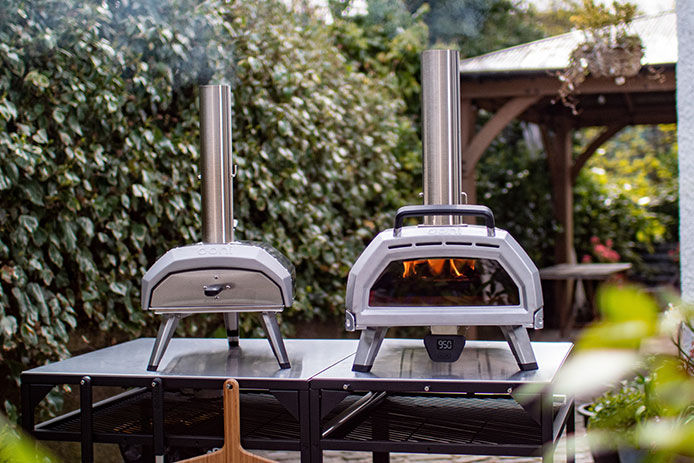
x=443 y=273
x=220 y=274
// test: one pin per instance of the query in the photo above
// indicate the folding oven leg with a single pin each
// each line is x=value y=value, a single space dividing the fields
x=166 y=332
x=231 y=323
x=369 y=343
x=274 y=336
x=519 y=342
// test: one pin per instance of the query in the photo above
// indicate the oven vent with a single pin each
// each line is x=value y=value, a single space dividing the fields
x=397 y=246
x=458 y=243
x=429 y=243
x=487 y=245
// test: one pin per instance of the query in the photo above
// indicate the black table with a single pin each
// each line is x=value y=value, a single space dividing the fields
x=481 y=404
x=406 y=404
x=166 y=407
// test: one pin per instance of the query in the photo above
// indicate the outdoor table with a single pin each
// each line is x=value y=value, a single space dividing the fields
x=481 y=405
x=466 y=406
x=275 y=418
x=588 y=274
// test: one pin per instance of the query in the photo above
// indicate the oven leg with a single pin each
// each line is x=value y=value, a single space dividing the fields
x=519 y=342
x=166 y=332
x=231 y=323
x=272 y=331
x=369 y=343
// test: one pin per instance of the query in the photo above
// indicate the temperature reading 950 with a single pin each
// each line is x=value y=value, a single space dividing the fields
x=444 y=344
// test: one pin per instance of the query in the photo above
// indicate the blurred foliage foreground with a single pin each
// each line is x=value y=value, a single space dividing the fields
x=651 y=414
x=99 y=154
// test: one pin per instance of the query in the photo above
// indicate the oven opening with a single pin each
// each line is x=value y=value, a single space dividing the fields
x=437 y=282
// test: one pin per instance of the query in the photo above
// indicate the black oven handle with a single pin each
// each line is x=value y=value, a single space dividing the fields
x=444 y=209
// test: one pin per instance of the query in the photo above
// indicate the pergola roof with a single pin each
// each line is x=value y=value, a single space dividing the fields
x=658 y=35
x=529 y=70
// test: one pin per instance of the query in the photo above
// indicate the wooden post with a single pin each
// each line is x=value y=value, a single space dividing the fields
x=557 y=141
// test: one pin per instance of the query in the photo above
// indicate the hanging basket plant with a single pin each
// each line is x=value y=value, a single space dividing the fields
x=608 y=50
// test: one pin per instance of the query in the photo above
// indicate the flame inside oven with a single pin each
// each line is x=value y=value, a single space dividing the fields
x=446 y=268
x=447 y=281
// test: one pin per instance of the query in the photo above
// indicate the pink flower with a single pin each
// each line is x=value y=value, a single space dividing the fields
x=586 y=259
x=594 y=240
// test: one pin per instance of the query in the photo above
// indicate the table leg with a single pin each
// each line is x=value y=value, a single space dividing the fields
x=27 y=408
x=316 y=453
x=380 y=431
x=564 y=300
x=305 y=425
x=547 y=427
x=86 y=420
x=158 y=420
x=571 y=434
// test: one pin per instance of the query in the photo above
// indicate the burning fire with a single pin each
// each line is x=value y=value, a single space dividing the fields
x=455 y=268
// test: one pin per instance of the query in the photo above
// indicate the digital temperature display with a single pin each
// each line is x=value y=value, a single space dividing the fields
x=444 y=344
x=444 y=348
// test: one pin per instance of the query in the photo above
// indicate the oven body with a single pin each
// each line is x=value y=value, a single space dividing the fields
x=445 y=276
x=203 y=278
x=443 y=242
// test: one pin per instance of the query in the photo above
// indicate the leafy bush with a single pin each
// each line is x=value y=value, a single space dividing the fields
x=99 y=152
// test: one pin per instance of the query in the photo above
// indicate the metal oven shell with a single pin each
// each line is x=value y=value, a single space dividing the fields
x=456 y=241
x=275 y=280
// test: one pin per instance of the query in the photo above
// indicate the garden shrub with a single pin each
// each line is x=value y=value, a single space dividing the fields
x=99 y=153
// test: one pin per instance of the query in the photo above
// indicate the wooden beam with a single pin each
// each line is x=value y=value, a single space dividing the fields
x=650 y=115
x=473 y=151
x=630 y=104
x=596 y=143
x=545 y=85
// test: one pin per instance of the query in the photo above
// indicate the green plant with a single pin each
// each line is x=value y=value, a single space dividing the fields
x=621 y=409
x=16 y=447
x=653 y=411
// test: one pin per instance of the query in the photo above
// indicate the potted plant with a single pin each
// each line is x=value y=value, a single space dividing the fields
x=612 y=419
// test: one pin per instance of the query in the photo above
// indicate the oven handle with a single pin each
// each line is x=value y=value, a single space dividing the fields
x=444 y=209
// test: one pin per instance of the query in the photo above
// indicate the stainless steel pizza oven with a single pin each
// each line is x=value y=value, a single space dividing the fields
x=443 y=273
x=219 y=274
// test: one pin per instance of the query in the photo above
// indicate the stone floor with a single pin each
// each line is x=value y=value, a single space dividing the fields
x=582 y=454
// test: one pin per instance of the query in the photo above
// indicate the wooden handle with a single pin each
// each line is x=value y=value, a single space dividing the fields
x=231 y=452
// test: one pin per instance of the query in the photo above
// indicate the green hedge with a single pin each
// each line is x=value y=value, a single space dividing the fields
x=99 y=153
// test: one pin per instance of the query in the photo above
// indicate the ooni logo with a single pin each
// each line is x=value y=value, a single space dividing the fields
x=215 y=251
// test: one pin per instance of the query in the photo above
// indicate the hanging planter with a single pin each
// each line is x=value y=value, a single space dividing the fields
x=609 y=50
x=606 y=60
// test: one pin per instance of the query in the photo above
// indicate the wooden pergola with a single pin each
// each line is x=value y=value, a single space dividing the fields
x=521 y=83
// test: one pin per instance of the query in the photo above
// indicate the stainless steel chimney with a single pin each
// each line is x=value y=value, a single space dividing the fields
x=442 y=160
x=216 y=164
